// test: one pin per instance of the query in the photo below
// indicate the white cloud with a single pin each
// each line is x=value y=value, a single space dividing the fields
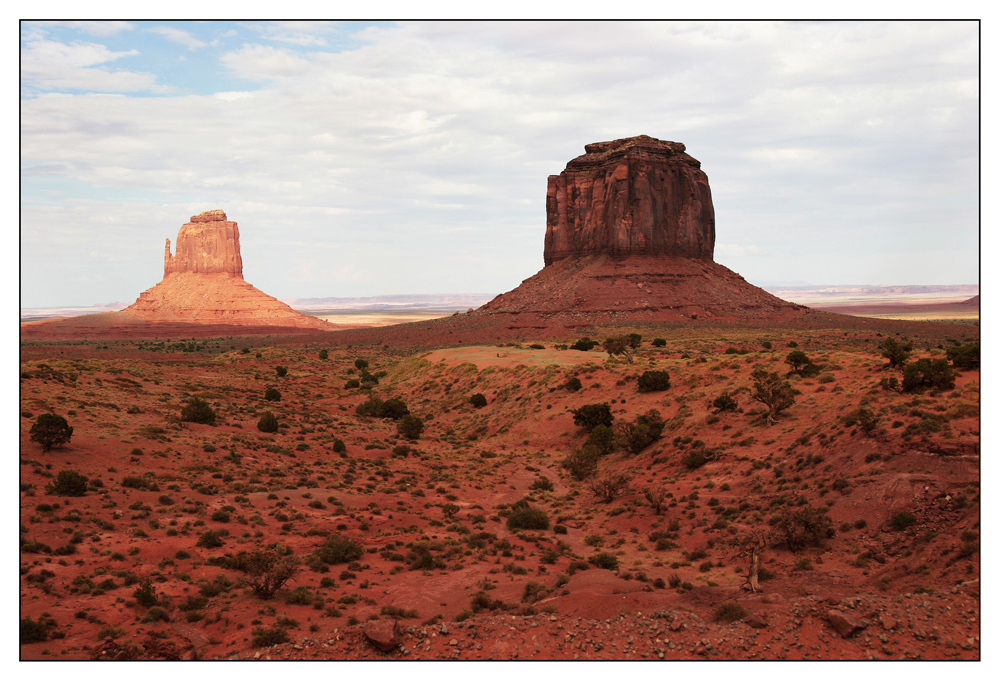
x=98 y=29
x=302 y=33
x=429 y=145
x=179 y=36
x=49 y=64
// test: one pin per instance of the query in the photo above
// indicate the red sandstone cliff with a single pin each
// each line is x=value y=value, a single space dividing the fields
x=209 y=244
x=634 y=196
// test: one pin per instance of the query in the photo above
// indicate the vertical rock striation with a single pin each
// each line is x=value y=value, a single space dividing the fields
x=209 y=244
x=633 y=196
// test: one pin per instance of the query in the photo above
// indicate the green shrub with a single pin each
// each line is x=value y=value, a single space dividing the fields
x=155 y=614
x=659 y=342
x=651 y=381
x=68 y=484
x=361 y=363
x=299 y=596
x=268 y=423
x=281 y=371
x=32 y=631
x=265 y=638
x=585 y=344
x=478 y=400
x=573 y=384
x=730 y=611
x=964 y=356
x=339 y=446
x=724 y=402
x=51 y=430
x=267 y=571
x=352 y=383
x=525 y=517
x=590 y=416
x=927 y=374
x=145 y=594
x=772 y=391
x=605 y=561
x=601 y=440
x=802 y=526
x=272 y=395
x=582 y=463
x=210 y=540
x=410 y=427
x=897 y=353
x=393 y=408
x=338 y=549
x=902 y=521
x=197 y=411
x=324 y=354
x=796 y=359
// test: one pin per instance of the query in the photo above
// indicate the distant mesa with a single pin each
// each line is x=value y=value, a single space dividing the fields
x=202 y=293
x=630 y=237
x=203 y=282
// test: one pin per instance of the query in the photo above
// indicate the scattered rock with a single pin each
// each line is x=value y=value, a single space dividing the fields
x=756 y=621
x=846 y=625
x=383 y=634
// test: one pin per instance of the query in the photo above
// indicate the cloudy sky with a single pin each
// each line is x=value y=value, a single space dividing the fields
x=377 y=158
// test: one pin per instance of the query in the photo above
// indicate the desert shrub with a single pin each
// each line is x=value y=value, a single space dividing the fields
x=601 y=440
x=210 y=540
x=866 y=419
x=573 y=384
x=724 y=402
x=796 y=359
x=801 y=527
x=393 y=408
x=324 y=354
x=51 y=430
x=361 y=363
x=897 y=353
x=197 y=411
x=268 y=423
x=605 y=561
x=281 y=371
x=542 y=483
x=410 y=427
x=138 y=482
x=272 y=395
x=265 y=638
x=155 y=614
x=659 y=342
x=299 y=596
x=902 y=521
x=696 y=458
x=926 y=374
x=35 y=631
x=582 y=463
x=68 y=484
x=145 y=594
x=730 y=611
x=525 y=517
x=352 y=383
x=772 y=391
x=339 y=549
x=585 y=344
x=220 y=516
x=478 y=400
x=591 y=415
x=636 y=436
x=890 y=384
x=339 y=446
x=610 y=486
x=964 y=356
x=651 y=381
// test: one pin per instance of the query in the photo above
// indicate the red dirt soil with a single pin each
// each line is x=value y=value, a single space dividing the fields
x=430 y=514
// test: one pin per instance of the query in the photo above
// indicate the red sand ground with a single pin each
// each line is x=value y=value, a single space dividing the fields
x=914 y=592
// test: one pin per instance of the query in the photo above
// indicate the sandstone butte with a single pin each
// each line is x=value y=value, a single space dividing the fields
x=202 y=288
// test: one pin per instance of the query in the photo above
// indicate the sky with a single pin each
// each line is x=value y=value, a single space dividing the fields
x=378 y=158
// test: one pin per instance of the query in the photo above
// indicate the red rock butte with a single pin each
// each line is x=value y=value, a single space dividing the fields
x=203 y=282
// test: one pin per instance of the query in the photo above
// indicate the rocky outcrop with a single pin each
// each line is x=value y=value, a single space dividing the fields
x=203 y=283
x=633 y=196
x=209 y=244
x=385 y=635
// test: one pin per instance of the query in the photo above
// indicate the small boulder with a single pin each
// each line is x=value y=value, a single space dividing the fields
x=754 y=620
x=845 y=624
x=383 y=634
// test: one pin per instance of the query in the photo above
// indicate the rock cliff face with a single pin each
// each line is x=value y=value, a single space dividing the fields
x=633 y=196
x=209 y=244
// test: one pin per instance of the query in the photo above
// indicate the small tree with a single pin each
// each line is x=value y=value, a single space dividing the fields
x=803 y=526
x=659 y=342
x=197 y=411
x=582 y=463
x=636 y=436
x=601 y=440
x=657 y=499
x=897 y=353
x=272 y=395
x=796 y=359
x=634 y=340
x=772 y=391
x=145 y=594
x=361 y=363
x=51 y=430
x=410 y=427
x=590 y=415
x=652 y=381
x=268 y=423
x=965 y=356
x=281 y=371
x=585 y=344
x=267 y=571
x=618 y=345
x=926 y=374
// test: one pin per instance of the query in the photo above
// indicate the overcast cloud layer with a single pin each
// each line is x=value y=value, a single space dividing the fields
x=412 y=158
